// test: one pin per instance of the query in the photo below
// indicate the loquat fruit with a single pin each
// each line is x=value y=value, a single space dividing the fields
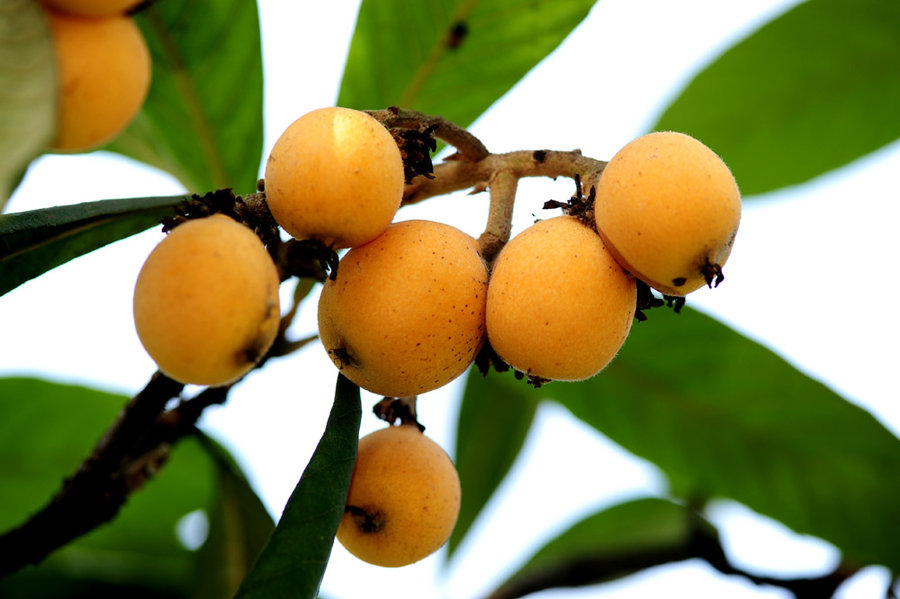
x=405 y=313
x=335 y=175
x=404 y=498
x=668 y=209
x=206 y=301
x=559 y=307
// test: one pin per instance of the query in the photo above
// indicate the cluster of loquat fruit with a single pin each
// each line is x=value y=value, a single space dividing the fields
x=103 y=70
x=411 y=303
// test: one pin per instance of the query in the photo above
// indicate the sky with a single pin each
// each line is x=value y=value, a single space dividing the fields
x=801 y=280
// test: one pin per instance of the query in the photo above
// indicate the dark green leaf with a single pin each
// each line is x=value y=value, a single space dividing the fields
x=202 y=121
x=724 y=416
x=240 y=527
x=33 y=242
x=293 y=562
x=609 y=544
x=46 y=429
x=28 y=81
x=450 y=57
x=489 y=434
x=809 y=92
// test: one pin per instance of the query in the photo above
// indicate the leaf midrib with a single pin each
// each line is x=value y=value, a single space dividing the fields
x=189 y=93
x=61 y=233
x=420 y=77
x=706 y=412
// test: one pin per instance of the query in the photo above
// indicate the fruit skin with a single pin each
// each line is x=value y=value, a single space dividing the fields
x=405 y=314
x=91 y=8
x=559 y=307
x=103 y=70
x=668 y=208
x=335 y=175
x=403 y=500
x=206 y=301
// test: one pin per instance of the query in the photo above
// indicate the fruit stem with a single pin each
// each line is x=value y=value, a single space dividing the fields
x=502 y=186
x=473 y=166
x=500 y=174
x=455 y=175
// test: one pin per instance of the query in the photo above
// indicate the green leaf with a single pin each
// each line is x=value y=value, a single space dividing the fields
x=725 y=417
x=240 y=527
x=28 y=81
x=202 y=120
x=450 y=57
x=807 y=93
x=607 y=545
x=490 y=432
x=33 y=242
x=46 y=429
x=293 y=562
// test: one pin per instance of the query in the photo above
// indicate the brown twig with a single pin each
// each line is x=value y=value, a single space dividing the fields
x=703 y=543
x=500 y=173
x=101 y=484
x=132 y=452
x=474 y=167
x=502 y=186
x=456 y=175
x=470 y=147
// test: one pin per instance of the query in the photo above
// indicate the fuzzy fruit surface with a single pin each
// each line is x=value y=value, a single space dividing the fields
x=103 y=72
x=405 y=314
x=206 y=301
x=91 y=8
x=335 y=175
x=559 y=306
x=403 y=500
x=668 y=208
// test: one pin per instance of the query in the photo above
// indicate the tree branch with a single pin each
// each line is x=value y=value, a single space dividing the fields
x=101 y=484
x=707 y=547
x=703 y=543
x=132 y=452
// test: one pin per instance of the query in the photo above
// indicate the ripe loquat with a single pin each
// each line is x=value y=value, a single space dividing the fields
x=405 y=314
x=668 y=209
x=335 y=175
x=559 y=307
x=103 y=72
x=404 y=498
x=206 y=301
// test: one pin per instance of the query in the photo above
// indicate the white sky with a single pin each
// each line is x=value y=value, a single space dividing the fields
x=804 y=278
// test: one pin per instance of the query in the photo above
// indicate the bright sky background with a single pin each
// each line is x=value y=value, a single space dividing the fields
x=804 y=279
